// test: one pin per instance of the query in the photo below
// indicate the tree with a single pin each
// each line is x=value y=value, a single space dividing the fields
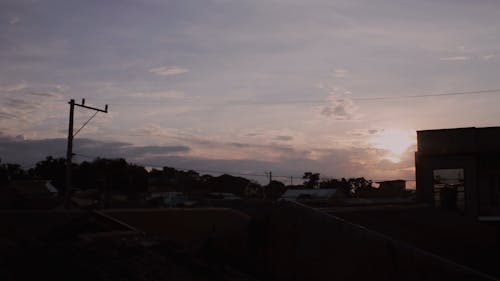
x=360 y=184
x=53 y=169
x=349 y=186
x=274 y=190
x=9 y=172
x=311 y=179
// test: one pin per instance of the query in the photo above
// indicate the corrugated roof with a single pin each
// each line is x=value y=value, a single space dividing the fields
x=293 y=194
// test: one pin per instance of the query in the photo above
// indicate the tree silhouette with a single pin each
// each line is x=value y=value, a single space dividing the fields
x=10 y=172
x=311 y=179
x=53 y=169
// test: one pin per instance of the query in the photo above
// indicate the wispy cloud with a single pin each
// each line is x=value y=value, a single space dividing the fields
x=161 y=94
x=362 y=132
x=153 y=130
x=14 y=20
x=24 y=106
x=340 y=108
x=169 y=70
x=283 y=138
x=488 y=57
x=455 y=58
x=13 y=87
x=340 y=73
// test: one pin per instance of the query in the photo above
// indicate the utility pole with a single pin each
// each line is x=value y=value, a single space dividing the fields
x=69 y=150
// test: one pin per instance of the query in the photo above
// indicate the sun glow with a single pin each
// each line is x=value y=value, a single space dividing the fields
x=396 y=141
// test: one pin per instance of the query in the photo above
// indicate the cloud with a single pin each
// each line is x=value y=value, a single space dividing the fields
x=283 y=138
x=22 y=100
x=340 y=73
x=455 y=58
x=20 y=104
x=154 y=130
x=340 y=109
x=155 y=150
x=14 y=20
x=13 y=87
x=28 y=152
x=45 y=95
x=29 y=110
x=161 y=94
x=488 y=57
x=6 y=115
x=363 y=132
x=167 y=71
x=287 y=160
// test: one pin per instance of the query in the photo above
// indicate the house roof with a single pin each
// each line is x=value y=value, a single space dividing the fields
x=34 y=187
x=391 y=181
x=323 y=193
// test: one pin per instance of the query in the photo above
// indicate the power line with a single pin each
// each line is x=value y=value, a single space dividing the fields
x=312 y=101
x=432 y=95
x=85 y=123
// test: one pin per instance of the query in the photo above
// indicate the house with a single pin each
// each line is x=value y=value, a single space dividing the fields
x=168 y=199
x=386 y=189
x=223 y=196
x=459 y=169
x=309 y=194
x=35 y=194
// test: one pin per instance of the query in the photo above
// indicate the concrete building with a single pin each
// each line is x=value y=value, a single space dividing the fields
x=460 y=169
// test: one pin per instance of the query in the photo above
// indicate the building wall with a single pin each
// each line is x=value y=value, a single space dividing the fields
x=476 y=150
x=223 y=229
x=425 y=166
x=305 y=244
x=448 y=141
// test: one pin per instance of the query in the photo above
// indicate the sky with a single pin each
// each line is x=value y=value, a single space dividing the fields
x=246 y=87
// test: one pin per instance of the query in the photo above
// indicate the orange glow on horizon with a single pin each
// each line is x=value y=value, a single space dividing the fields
x=396 y=141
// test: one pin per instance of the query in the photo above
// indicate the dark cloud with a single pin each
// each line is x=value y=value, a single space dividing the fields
x=363 y=132
x=239 y=145
x=284 y=138
x=6 y=115
x=346 y=162
x=45 y=95
x=152 y=149
x=28 y=152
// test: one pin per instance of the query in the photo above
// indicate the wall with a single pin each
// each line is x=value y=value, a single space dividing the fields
x=304 y=244
x=224 y=230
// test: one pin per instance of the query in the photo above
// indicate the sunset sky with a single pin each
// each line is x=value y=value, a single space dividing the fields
x=246 y=86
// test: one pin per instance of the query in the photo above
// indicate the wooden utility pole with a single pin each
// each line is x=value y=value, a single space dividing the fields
x=69 y=150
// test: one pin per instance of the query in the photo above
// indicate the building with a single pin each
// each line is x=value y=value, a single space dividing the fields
x=169 y=198
x=386 y=189
x=309 y=194
x=460 y=169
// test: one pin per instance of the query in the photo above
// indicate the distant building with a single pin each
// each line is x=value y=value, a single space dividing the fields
x=223 y=196
x=169 y=199
x=459 y=169
x=31 y=194
x=392 y=185
x=386 y=189
x=309 y=194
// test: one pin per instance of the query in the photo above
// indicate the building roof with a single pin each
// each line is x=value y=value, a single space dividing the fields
x=389 y=181
x=34 y=188
x=322 y=193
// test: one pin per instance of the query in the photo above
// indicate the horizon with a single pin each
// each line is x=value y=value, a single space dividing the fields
x=334 y=87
